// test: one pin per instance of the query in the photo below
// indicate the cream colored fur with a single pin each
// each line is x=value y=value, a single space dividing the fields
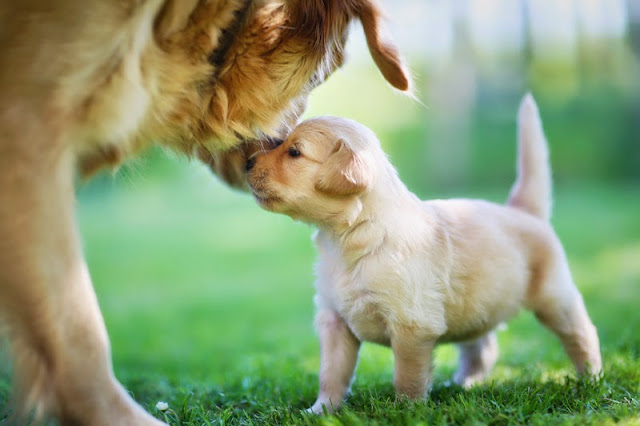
x=87 y=84
x=412 y=274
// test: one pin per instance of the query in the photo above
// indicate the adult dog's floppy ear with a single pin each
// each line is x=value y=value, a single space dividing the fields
x=383 y=51
x=345 y=172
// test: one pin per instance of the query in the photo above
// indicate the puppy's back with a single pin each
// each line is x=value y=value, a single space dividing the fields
x=495 y=253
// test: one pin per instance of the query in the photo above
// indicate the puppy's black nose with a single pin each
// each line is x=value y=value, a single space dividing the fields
x=250 y=163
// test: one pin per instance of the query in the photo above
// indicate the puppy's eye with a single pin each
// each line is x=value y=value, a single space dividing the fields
x=293 y=152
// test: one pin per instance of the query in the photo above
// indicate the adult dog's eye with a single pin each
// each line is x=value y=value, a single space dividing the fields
x=277 y=142
x=294 y=152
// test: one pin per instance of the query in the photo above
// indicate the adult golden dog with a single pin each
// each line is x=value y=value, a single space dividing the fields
x=85 y=84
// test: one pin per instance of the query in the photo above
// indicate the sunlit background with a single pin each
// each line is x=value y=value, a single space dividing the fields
x=197 y=283
x=473 y=60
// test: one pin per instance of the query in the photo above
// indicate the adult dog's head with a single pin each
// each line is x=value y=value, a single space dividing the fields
x=280 y=51
x=215 y=75
x=320 y=172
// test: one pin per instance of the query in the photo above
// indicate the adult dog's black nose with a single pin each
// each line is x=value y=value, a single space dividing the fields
x=250 y=163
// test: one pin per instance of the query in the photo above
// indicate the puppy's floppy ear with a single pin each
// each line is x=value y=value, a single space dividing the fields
x=345 y=172
x=383 y=51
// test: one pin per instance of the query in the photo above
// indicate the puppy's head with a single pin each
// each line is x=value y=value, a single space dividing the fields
x=317 y=172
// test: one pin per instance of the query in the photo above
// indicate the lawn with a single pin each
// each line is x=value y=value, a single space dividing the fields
x=208 y=301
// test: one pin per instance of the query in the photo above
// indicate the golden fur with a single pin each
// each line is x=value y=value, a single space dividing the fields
x=411 y=274
x=87 y=84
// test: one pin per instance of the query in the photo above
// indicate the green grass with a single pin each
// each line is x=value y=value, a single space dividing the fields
x=208 y=301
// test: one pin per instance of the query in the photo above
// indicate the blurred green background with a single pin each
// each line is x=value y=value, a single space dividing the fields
x=197 y=284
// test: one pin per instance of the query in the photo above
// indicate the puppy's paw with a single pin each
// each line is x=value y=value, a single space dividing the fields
x=322 y=407
x=467 y=381
x=592 y=373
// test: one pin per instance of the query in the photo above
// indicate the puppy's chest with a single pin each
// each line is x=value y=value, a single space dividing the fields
x=357 y=300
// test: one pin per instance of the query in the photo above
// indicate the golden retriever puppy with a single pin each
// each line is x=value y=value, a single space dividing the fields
x=86 y=84
x=411 y=274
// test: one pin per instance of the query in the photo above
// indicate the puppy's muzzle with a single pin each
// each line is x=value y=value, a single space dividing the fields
x=267 y=145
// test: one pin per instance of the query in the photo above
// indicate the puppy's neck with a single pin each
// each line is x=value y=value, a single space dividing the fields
x=373 y=218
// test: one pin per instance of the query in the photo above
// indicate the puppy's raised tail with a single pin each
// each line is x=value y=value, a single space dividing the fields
x=532 y=190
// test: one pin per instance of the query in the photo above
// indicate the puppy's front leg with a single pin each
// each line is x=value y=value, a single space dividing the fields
x=412 y=353
x=339 y=355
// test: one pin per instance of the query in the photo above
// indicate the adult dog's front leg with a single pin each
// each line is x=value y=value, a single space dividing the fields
x=59 y=343
x=339 y=355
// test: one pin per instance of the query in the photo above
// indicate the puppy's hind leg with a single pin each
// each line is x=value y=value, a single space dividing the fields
x=559 y=306
x=476 y=359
